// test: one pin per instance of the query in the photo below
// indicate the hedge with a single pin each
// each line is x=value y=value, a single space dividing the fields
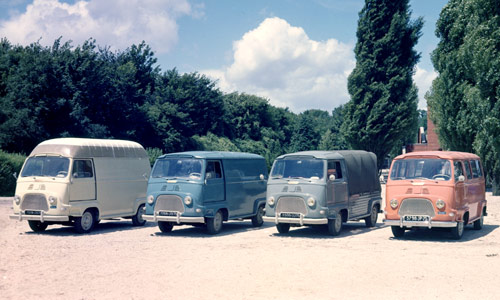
x=9 y=163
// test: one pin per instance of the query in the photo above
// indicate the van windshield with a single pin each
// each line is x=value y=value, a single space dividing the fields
x=421 y=168
x=46 y=166
x=298 y=168
x=189 y=168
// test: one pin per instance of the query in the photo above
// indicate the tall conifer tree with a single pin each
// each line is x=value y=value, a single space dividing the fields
x=382 y=110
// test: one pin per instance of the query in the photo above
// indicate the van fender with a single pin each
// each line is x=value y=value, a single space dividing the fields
x=77 y=208
x=138 y=202
x=211 y=210
x=258 y=202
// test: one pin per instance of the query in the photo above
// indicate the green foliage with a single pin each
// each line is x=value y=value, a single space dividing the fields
x=465 y=98
x=382 y=110
x=9 y=164
x=153 y=154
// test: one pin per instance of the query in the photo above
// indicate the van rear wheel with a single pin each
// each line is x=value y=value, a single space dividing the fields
x=398 y=231
x=283 y=227
x=85 y=223
x=214 y=225
x=371 y=220
x=137 y=219
x=478 y=224
x=335 y=225
x=37 y=226
x=257 y=220
x=165 y=226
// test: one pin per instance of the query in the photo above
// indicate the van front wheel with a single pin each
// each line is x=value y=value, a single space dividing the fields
x=257 y=220
x=214 y=225
x=398 y=231
x=335 y=225
x=137 y=219
x=84 y=223
x=458 y=231
x=165 y=226
x=37 y=226
x=283 y=227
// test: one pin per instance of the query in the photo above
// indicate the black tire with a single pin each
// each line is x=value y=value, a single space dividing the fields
x=165 y=227
x=283 y=227
x=257 y=220
x=335 y=225
x=371 y=220
x=85 y=223
x=458 y=231
x=214 y=225
x=37 y=226
x=478 y=224
x=137 y=219
x=398 y=231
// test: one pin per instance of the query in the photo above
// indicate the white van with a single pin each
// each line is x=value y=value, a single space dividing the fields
x=79 y=182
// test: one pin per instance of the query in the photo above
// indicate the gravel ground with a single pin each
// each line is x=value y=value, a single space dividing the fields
x=117 y=260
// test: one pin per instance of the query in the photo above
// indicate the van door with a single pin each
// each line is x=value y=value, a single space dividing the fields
x=213 y=190
x=469 y=191
x=336 y=189
x=459 y=185
x=83 y=185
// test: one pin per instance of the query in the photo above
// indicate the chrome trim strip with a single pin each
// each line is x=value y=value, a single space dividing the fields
x=42 y=217
x=428 y=224
x=178 y=219
x=300 y=220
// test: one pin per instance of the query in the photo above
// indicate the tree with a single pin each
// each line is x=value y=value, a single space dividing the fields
x=464 y=100
x=383 y=105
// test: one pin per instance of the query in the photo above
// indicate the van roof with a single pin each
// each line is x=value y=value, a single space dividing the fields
x=331 y=154
x=214 y=155
x=439 y=154
x=85 y=148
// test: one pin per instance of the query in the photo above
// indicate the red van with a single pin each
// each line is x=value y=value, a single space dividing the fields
x=435 y=189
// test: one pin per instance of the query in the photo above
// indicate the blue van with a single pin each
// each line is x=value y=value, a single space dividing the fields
x=206 y=188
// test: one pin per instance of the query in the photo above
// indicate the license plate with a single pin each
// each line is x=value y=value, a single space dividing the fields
x=416 y=218
x=168 y=213
x=32 y=212
x=290 y=215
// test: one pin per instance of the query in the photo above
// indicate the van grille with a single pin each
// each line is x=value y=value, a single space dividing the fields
x=34 y=202
x=291 y=204
x=417 y=206
x=169 y=203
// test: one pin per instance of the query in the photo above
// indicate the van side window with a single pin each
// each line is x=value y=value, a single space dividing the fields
x=467 y=170
x=213 y=170
x=82 y=168
x=459 y=169
x=474 y=169
x=334 y=168
x=478 y=165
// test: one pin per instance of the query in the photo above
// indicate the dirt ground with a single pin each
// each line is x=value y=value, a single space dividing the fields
x=117 y=260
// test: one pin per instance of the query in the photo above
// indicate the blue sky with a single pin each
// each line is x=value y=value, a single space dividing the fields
x=295 y=53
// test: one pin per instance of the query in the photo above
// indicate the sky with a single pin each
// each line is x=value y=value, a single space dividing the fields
x=295 y=53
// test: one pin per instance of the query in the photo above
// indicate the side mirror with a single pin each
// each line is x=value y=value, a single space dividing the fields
x=262 y=177
x=461 y=178
x=331 y=177
x=15 y=175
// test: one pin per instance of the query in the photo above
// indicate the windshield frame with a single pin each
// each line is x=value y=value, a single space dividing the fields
x=280 y=171
x=422 y=168
x=192 y=171
x=61 y=170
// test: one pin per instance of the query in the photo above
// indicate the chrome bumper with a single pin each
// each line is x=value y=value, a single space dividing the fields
x=428 y=224
x=174 y=219
x=42 y=217
x=301 y=220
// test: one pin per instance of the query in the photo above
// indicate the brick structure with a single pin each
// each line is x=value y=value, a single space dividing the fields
x=432 y=139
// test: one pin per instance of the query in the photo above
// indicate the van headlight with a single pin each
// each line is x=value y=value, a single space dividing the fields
x=52 y=200
x=394 y=203
x=151 y=199
x=188 y=200
x=311 y=201
x=440 y=204
x=270 y=201
x=17 y=199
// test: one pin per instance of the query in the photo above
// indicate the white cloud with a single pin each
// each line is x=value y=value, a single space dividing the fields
x=280 y=62
x=115 y=23
x=423 y=79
